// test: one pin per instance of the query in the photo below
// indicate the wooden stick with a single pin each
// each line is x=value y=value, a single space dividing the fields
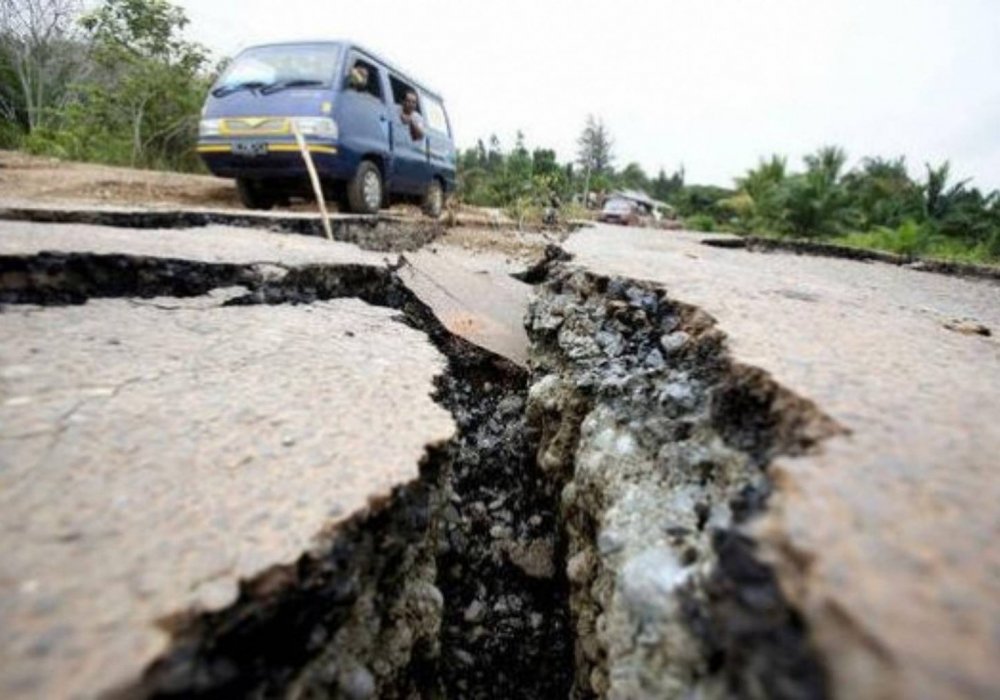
x=317 y=188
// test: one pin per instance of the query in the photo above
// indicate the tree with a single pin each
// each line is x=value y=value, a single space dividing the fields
x=40 y=48
x=145 y=97
x=816 y=203
x=883 y=192
x=939 y=198
x=664 y=188
x=543 y=162
x=633 y=177
x=762 y=188
x=594 y=151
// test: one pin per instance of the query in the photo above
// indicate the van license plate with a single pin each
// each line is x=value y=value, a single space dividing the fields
x=250 y=149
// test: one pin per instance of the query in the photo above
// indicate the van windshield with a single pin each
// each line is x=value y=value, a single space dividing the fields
x=269 y=68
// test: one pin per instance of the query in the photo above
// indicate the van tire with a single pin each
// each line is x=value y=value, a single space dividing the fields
x=433 y=203
x=254 y=194
x=365 y=191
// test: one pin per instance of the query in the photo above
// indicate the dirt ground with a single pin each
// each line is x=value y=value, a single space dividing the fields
x=26 y=177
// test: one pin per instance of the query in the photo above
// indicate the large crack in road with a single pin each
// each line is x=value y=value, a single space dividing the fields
x=579 y=536
x=210 y=485
x=664 y=443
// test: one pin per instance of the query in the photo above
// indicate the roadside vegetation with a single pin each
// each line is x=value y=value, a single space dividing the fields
x=116 y=84
x=119 y=84
x=876 y=205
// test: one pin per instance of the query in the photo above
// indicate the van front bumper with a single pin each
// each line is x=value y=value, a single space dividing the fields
x=273 y=158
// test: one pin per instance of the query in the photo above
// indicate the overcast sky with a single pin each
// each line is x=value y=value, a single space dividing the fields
x=712 y=84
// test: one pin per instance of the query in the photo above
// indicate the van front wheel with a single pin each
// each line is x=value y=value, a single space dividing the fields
x=254 y=194
x=364 y=191
x=434 y=199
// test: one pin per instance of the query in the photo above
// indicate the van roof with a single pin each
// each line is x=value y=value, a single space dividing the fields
x=359 y=48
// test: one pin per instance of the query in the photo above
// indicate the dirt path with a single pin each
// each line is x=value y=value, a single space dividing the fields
x=26 y=177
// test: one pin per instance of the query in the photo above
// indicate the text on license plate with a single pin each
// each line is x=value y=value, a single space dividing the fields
x=250 y=148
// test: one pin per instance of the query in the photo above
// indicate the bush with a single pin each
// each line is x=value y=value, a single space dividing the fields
x=11 y=136
x=700 y=222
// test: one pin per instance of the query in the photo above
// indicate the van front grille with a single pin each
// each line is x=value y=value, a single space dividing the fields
x=255 y=126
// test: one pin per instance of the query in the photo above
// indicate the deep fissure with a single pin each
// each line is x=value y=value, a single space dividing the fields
x=580 y=536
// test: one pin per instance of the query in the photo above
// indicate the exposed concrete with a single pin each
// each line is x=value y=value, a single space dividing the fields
x=883 y=538
x=659 y=441
x=156 y=453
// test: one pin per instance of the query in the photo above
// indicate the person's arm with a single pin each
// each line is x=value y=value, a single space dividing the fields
x=416 y=126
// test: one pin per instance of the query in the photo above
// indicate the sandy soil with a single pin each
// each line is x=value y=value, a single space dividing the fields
x=25 y=177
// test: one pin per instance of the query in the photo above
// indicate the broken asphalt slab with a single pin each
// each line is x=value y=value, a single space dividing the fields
x=173 y=447
x=883 y=537
x=473 y=300
x=381 y=233
x=156 y=453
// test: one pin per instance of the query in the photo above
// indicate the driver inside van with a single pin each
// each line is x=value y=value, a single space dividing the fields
x=358 y=77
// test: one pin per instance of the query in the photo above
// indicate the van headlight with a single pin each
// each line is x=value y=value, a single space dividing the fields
x=317 y=126
x=209 y=127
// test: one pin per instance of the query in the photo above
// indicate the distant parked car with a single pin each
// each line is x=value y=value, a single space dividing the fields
x=619 y=210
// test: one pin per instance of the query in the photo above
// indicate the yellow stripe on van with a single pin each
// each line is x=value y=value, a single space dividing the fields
x=271 y=147
x=292 y=148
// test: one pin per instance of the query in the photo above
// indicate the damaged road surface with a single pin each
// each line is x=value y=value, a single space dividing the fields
x=875 y=424
x=243 y=464
x=234 y=463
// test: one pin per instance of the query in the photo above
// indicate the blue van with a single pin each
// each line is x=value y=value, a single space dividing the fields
x=350 y=105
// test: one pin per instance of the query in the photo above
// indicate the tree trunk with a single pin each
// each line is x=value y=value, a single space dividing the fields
x=137 y=146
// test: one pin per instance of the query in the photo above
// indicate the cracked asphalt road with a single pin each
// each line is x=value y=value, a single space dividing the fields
x=886 y=538
x=156 y=452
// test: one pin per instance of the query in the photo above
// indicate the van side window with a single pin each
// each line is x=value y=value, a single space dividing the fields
x=434 y=112
x=373 y=84
x=399 y=90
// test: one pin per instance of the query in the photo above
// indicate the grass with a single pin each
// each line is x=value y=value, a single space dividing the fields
x=700 y=222
x=911 y=240
x=918 y=241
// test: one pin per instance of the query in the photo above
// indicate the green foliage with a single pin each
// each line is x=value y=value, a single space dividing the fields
x=878 y=202
x=136 y=94
x=883 y=193
x=633 y=177
x=693 y=200
x=595 y=147
x=700 y=222
x=909 y=238
x=665 y=188
x=760 y=197
x=11 y=135
x=142 y=109
x=816 y=203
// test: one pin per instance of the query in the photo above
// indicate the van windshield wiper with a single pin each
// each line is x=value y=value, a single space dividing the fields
x=286 y=84
x=230 y=89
